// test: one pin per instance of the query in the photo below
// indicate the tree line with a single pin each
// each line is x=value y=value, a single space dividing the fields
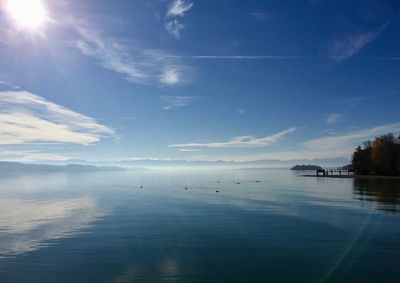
x=378 y=157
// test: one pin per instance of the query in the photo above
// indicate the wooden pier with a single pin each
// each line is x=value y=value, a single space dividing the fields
x=332 y=172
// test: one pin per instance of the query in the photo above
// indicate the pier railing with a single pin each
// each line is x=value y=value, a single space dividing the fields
x=331 y=172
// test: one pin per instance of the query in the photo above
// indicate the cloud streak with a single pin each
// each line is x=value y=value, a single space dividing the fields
x=334 y=118
x=279 y=57
x=176 y=101
x=189 y=150
x=350 y=140
x=349 y=44
x=31 y=155
x=261 y=16
x=341 y=145
x=337 y=146
x=143 y=66
x=29 y=118
x=240 y=142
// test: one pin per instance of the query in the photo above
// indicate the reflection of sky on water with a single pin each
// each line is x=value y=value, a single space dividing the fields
x=166 y=269
x=162 y=232
x=29 y=225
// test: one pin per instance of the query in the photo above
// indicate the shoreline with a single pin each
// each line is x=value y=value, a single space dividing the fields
x=354 y=177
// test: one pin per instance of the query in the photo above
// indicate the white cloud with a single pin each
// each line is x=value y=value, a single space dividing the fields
x=261 y=16
x=327 y=147
x=170 y=76
x=336 y=146
x=189 y=150
x=176 y=101
x=330 y=146
x=351 y=139
x=174 y=28
x=149 y=159
x=179 y=8
x=31 y=155
x=351 y=101
x=7 y=85
x=28 y=118
x=144 y=66
x=241 y=142
x=334 y=118
x=349 y=44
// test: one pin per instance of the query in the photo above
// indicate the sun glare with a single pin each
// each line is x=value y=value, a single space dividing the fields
x=29 y=14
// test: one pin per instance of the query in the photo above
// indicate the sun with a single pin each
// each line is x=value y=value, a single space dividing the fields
x=30 y=14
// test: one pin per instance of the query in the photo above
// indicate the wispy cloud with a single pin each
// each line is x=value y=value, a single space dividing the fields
x=261 y=15
x=149 y=159
x=332 y=146
x=349 y=44
x=144 y=66
x=7 y=85
x=31 y=155
x=174 y=28
x=178 y=8
x=240 y=142
x=28 y=118
x=351 y=139
x=170 y=76
x=176 y=101
x=334 y=118
x=392 y=93
x=279 y=57
x=353 y=100
x=189 y=150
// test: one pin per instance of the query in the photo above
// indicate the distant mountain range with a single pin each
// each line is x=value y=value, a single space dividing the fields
x=155 y=162
x=334 y=162
x=144 y=163
x=23 y=167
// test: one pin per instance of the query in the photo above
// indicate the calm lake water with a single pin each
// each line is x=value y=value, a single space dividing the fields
x=272 y=227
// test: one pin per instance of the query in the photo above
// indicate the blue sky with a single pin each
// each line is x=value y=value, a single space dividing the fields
x=197 y=80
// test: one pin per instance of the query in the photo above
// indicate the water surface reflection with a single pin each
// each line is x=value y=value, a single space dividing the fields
x=385 y=193
x=27 y=225
x=283 y=228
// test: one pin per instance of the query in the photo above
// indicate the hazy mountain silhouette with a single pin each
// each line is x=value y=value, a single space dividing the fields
x=19 y=167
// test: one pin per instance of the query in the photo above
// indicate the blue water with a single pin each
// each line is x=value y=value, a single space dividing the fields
x=273 y=226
